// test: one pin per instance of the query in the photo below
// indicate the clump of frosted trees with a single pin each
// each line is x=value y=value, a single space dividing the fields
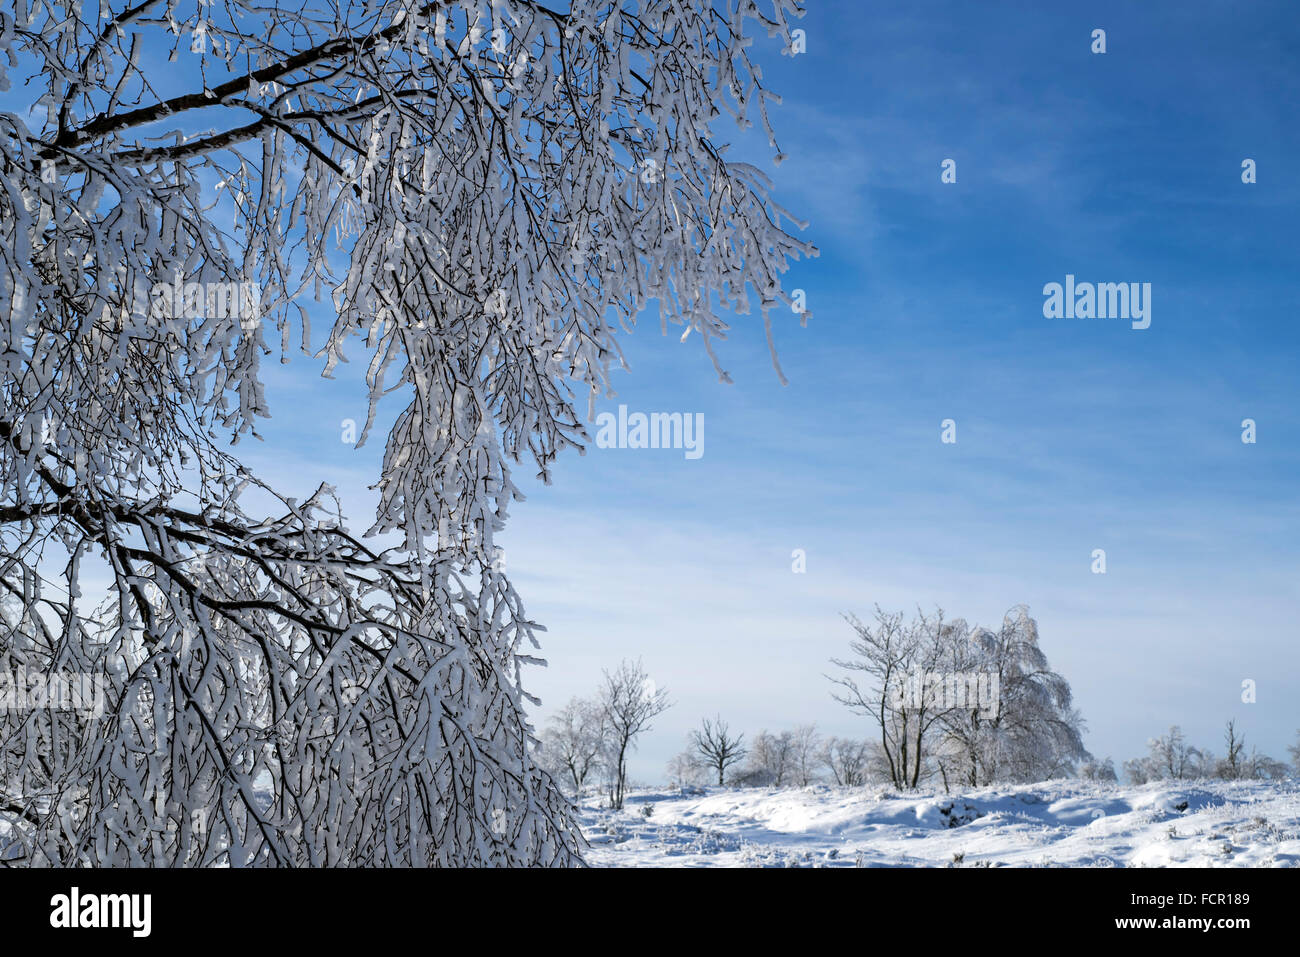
x=796 y=757
x=714 y=755
x=957 y=704
x=948 y=704
x=1172 y=757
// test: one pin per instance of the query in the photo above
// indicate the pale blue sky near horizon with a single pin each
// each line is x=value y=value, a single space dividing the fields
x=1072 y=435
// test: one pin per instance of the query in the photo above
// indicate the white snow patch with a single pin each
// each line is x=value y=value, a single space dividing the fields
x=1056 y=823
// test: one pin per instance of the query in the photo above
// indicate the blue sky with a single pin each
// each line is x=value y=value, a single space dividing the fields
x=927 y=300
x=927 y=297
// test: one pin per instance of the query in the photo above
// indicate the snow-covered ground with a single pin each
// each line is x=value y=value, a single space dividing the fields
x=1061 y=823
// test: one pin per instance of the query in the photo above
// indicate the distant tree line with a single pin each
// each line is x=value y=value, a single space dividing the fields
x=945 y=704
x=1171 y=757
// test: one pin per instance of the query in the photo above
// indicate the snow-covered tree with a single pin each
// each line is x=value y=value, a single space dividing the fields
x=1136 y=771
x=1237 y=764
x=1030 y=731
x=686 y=770
x=1170 y=757
x=574 y=742
x=1102 y=771
x=806 y=754
x=629 y=700
x=482 y=193
x=1260 y=767
x=891 y=659
x=848 y=759
x=716 y=748
x=969 y=705
x=770 y=762
x=1233 y=765
x=1173 y=757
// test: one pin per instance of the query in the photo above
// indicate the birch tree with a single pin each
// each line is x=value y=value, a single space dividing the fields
x=881 y=682
x=575 y=741
x=1029 y=730
x=629 y=701
x=848 y=760
x=806 y=756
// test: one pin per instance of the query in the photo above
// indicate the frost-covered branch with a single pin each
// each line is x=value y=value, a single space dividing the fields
x=479 y=196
